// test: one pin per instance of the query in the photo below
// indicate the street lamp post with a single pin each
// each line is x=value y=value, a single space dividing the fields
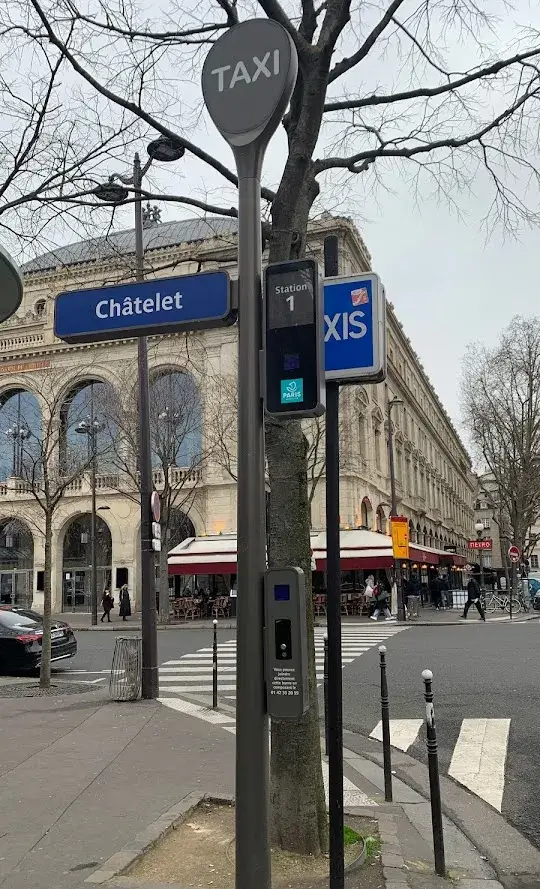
x=394 y=402
x=165 y=150
x=91 y=427
x=479 y=528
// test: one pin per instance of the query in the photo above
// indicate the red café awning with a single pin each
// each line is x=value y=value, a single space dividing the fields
x=359 y=549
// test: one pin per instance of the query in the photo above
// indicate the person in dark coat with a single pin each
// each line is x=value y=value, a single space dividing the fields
x=125 y=602
x=107 y=603
x=474 y=594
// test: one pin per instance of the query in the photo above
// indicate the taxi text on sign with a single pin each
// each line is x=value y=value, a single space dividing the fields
x=400 y=537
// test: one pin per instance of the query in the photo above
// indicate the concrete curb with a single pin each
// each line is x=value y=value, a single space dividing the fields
x=134 y=628
x=144 y=841
x=510 y=854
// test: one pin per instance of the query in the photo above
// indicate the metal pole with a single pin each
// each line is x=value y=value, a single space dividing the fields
x=513 y=590
x=325 y=693
x=214 y=667
x=150 y=678
x=333 y=612
x=93 y=542
x=434 y=784
x=385 y=718
x=394 y=512
x=17 y=442
x=252 y=763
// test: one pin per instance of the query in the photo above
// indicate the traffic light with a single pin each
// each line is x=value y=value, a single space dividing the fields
x=294 y=349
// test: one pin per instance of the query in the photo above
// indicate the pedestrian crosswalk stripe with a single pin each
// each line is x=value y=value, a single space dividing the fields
x=193 y=672
x=479 y=758
x=403 y=732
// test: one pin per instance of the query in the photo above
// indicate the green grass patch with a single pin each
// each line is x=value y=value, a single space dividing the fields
x=350 y=836
x=373 y=847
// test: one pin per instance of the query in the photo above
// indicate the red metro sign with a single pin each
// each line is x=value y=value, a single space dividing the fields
x=485 y=543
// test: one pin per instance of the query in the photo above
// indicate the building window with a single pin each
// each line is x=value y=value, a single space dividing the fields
x=362 y=436
x=534 y=561
x=39 y=308
x=486 y=523
x=487 y=560
x=377 y=434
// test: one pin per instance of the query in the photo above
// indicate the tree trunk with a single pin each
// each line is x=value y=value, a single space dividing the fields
x=298 y=806
x=45 y=672
x=298 y=810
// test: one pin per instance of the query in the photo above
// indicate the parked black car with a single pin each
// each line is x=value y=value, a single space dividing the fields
x=21 y=632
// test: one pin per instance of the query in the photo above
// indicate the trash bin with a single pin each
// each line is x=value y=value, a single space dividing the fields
x=126 y=671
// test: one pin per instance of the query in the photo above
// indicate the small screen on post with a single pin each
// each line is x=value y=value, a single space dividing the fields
x=282 y=592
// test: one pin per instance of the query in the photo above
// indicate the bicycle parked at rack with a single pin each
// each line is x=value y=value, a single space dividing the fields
x=501 y=601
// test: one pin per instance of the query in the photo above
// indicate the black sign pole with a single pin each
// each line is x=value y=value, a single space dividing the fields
x=247 y=109
x=333 y=611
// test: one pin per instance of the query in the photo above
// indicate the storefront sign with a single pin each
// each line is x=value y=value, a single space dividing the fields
x=400 y=537
x=24 y=367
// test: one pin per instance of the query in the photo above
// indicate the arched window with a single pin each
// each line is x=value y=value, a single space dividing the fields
x=425 y=536
x=89 y=418
x=412 y=532
x=20 y=434
x=381 y=520
x=176 y=418
x=365 y=512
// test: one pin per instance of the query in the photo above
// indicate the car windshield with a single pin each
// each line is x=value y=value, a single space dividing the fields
x=13 y=619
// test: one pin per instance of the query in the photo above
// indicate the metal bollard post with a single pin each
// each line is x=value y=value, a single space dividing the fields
x=325 y=693
x=434 y=784
x=385 y=717
x=214 y=667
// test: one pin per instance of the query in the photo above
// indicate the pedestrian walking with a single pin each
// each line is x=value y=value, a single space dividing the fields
x=381 y=596
x=107 y=603
x=436 y=592
x=474 y=594
x=125 y=602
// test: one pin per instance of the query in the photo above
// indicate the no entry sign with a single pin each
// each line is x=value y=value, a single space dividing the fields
x=514 y=553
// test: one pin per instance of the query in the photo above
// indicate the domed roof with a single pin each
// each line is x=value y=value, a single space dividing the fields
x=155 y=236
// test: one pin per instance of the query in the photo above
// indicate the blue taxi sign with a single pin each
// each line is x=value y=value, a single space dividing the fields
x=355 y=329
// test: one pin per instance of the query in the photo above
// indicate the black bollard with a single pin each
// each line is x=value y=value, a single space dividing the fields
x=434 y=784
x=385 y=717
x=214 y=667
x=325 y=693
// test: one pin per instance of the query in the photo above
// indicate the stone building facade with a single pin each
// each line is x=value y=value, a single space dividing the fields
x=40 y=374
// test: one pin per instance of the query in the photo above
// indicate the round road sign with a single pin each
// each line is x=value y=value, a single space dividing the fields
x=155 y=506
x=514 y=554
x=11 y=287
x=248 y=78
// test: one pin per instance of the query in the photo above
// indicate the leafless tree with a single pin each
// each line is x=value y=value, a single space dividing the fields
x=178 y=451
x=501 y=405
x=52 y=459
x=377 y=91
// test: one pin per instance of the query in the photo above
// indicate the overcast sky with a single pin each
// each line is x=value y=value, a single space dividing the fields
x=450 y=279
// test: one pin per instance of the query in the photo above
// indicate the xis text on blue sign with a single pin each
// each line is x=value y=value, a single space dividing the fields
x=144 y=308
x=355 y=328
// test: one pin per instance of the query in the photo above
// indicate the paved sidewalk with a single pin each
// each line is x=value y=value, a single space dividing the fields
x=81 y=777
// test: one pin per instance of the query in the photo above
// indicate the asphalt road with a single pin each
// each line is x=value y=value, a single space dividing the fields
x=481 y=672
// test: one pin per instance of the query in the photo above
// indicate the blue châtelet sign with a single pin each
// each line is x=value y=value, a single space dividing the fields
x=144 y=308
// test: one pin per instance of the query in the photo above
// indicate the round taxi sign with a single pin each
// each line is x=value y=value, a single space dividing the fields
x=514 y=554
x=155 y=506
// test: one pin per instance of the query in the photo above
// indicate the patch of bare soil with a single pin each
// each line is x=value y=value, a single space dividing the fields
x=199 y=854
